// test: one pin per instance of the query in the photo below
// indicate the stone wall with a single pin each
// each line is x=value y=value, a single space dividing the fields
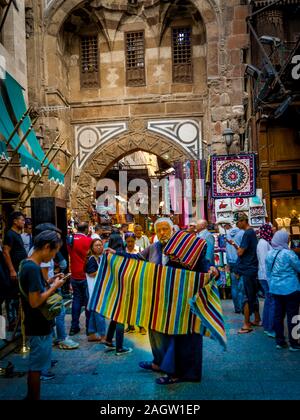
x=13 y=59
x=215 y=98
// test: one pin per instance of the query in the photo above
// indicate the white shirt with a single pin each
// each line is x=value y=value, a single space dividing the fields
x=50 y=265
x=95 y=236
x=263 y=248
x=26 y=238
x=143 y=242
x=91 y=281
x=135 y=251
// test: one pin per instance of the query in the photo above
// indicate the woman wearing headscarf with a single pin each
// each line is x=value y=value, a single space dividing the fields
x=282 y=267
x=263 y=247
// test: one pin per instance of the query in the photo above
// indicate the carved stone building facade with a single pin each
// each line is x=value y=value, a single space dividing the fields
x=12 y=60
x=116 y=76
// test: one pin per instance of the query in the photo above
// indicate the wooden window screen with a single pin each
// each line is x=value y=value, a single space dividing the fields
x=89 y=61
x=182 y=55
x=135 y=58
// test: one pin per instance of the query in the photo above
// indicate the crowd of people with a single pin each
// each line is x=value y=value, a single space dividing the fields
x=264 y=264
x=33 y=268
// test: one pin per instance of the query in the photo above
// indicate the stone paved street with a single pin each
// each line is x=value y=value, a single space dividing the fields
x=251 y=368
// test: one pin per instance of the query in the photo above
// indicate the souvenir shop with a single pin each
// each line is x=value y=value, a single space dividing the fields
x=233 y=191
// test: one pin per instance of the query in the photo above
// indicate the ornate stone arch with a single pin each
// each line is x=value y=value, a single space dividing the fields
x=109 y=153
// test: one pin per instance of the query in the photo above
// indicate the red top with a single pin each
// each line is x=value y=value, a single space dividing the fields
x=78 y=253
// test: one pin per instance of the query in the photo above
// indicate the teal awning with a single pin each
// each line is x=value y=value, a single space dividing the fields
x=6 y=128
x=3 y=151
x=15 y=93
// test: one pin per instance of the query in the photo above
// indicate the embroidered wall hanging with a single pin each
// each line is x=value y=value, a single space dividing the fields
x=233 y=176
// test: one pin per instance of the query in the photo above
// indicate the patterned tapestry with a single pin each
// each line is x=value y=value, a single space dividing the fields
x=233 y=176
x=157 y=297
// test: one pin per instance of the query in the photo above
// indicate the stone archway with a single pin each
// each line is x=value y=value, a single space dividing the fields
x=106 y=155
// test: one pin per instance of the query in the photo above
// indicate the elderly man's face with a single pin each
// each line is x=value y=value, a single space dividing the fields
x=201 y=226
x=163 y=232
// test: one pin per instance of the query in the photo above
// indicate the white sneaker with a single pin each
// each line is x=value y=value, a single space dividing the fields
x=68 y=344
x=124 y=350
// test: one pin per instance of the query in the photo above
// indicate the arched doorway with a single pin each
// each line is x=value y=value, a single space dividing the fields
x=107 y=155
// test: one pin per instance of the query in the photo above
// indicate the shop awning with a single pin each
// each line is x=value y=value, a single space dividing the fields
x=6 y=128
x=15 y=93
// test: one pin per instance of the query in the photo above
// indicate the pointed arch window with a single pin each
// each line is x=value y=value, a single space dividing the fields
x=182 y=52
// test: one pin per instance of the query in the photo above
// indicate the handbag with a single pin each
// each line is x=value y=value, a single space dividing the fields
x=51 y=307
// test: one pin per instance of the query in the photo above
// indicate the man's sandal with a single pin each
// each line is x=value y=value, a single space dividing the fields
x=148 y=366
x=245 y=330
x=254 y=324
x=167 y=380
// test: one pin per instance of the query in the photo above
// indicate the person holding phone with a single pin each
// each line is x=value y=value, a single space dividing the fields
x=247 y=270
x=234 y=235
x=37 y=327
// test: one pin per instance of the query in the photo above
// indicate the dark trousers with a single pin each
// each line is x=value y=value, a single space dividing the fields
x=11 y=308
x=80 y=299
x=178 y=355
x=286 y=306
x=119 y=329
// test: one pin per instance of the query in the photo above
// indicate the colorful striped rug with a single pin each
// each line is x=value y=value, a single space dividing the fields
x=185 y=248
x=152 y=296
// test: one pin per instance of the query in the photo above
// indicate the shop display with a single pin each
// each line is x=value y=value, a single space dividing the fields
x=240 y=204
x=227 y=209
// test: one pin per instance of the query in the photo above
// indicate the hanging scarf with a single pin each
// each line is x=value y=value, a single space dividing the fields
x=265 y=232
x=280 y=240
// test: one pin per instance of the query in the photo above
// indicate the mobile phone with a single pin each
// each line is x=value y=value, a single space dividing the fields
x=66 y=277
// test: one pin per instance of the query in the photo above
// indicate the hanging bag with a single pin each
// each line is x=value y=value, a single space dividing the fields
x=51 y=308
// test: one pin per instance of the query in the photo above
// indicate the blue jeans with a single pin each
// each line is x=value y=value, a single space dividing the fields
x=269 y=308
x=235 y=290
x=40 y=353
x=97 y=324
x=80 y=299
x=248 y=288
x=61 y=334
x=119 y=329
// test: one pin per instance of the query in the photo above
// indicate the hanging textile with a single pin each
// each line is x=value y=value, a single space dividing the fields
x=200 y=189
x=185 y=248
x=156 y=297
x=178 y=166
x=188 y=204
x=233 y=175
x=15 y=93
x=206 y=305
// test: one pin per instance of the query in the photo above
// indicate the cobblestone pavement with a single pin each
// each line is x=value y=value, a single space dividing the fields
x=251 y=368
